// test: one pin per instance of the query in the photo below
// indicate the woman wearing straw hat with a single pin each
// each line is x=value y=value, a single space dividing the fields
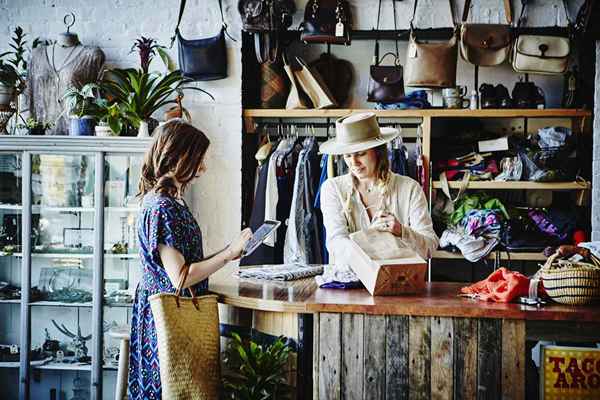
x=370 y=196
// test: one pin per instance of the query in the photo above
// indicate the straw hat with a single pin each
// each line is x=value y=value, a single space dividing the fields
x=357 y=132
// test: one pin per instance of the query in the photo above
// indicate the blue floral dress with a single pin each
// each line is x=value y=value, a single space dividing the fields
x=161 y=220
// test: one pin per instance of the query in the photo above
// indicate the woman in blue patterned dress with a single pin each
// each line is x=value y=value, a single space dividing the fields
x=169 y=237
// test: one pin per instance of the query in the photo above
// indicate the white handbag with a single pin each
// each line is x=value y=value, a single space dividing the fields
x=541 y=54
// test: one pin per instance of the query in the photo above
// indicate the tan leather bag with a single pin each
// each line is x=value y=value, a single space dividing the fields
x=541 y=54
x=312 y=84
x=485 y=44
x=430 y=64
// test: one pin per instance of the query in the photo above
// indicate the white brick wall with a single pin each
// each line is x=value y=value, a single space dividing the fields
x=114 y=24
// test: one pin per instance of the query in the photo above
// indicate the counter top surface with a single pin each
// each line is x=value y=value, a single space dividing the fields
x=438 y=299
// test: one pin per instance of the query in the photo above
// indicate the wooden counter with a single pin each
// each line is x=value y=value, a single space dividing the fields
x=440 y=299
x=432 y=345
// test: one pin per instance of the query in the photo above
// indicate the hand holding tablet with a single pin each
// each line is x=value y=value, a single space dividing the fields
x=262 y=233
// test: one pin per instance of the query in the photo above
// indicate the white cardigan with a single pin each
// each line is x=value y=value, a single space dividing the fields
x=406 y=201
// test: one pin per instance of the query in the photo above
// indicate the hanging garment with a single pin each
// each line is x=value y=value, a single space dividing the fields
x=272 y=191
x=48 y=82
x=317 y=205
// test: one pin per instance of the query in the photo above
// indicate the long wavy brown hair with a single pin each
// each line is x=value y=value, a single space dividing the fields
x=176 y=156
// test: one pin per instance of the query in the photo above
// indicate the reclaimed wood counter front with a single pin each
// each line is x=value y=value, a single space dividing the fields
x=431 y=345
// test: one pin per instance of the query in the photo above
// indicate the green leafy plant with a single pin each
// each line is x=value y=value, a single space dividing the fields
x=140 y=94
x=256 y=373
x=82 y=101
x=32 y=123
x=147 y=48
x=110 y=115
x=13 y=66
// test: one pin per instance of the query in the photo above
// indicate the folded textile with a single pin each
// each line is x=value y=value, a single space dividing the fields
x=594 y=247
x=474 y=201
x=502 y=286
x=414 y=100
x=553 y=136
x=338 y=277
x=281 y=272
x=472 y=248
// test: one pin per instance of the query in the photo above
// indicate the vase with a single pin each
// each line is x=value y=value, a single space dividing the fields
x=103 y=131
x=82 y=126
x=143 y=131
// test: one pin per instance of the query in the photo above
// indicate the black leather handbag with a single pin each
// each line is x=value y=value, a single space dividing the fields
x=386 y=82
x=202 y=59
x=326 y=21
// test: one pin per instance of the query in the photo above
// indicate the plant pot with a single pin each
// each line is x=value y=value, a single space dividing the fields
x=7 y=95
x=37 y=131
x=104 y=131
x=82 y=126
x=143 y=131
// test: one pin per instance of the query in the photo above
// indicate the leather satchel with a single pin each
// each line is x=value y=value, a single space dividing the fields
x=541 y=54
x=386 y=82
x=485 y=44
x=202 y=59
x=337 y=74
x=312 y=84
x=430 y=64
x=326 y=21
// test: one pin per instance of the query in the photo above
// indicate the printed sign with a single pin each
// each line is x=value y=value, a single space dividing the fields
x=570 y=373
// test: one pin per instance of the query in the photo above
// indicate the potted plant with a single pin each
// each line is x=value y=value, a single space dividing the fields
x=13 y=70
x=109 y=117
x=254 y=372
x=35 y=127
x=82 y=108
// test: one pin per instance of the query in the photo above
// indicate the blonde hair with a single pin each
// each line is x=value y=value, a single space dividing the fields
x=175 y=155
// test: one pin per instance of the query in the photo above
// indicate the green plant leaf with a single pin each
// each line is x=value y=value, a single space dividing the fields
x=166 y=58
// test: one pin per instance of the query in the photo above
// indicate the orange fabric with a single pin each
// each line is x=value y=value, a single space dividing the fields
x=502 y=286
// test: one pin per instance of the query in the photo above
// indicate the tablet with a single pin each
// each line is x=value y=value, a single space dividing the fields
x=260 y=235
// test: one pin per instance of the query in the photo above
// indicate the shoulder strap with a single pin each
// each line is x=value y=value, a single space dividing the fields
x=182 y=9
x=464 y=183
x=507 y=11
x=376 y=55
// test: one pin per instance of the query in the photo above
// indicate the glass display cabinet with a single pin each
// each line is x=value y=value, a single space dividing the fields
x=68 y=262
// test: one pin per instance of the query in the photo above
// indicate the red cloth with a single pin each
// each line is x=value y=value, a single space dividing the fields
x=502 y=286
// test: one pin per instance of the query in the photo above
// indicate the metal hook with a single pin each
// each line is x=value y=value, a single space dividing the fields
x=66 y=21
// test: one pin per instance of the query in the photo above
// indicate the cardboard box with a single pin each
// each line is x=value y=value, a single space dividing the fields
x=403 y=274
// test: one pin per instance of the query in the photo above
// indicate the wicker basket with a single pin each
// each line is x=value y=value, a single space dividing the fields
x=573 y=283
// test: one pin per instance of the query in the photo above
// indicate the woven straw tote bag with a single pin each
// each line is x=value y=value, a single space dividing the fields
x=572 y=283
x=187 y=331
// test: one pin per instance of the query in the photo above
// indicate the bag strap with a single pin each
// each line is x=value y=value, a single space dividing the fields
x=262 y=47
x=507 y=11
x=183 y=274
x=464 y=183
x=376 y=55
x=182 y=9
x=412 y=27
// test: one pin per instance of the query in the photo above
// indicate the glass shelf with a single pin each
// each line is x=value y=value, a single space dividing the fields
x=46 y=303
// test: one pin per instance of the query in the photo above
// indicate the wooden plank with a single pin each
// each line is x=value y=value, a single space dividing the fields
x=419 y=353
x=316 y=356
x=330 y=356
x=374 y=372
x=465 y=358
x=513 y=359
x=563 y=331
x=396 y=358
x=489 y=342
x=352 y=356
x=442 y=358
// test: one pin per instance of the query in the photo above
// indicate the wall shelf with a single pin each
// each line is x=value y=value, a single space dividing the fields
x=59 y=304
x=438 y=112
x=517 y=185
x=514 y=256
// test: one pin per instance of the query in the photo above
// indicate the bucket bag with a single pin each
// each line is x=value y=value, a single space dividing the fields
x=202 y=59
x=265 y=19
x=485 y=44
x=187 y=332
x=326 y=21
x=386 y=82
x=541 y=54
x=430 y=64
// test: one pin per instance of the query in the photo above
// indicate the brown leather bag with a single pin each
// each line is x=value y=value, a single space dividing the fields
x=326 y=21
x=386 y=82
x=430 y=64
x=337 y=74
x=485 y=44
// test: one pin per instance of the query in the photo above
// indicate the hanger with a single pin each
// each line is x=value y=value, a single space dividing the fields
x=265 y=148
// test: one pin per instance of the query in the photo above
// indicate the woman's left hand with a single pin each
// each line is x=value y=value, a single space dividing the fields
x=386 y=222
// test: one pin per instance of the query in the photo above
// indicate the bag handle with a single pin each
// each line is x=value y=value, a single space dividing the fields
x=376 y=55
x=412 y=27
x=507 y=11
x=182 y=9
x=464 y=183
x=183 y=274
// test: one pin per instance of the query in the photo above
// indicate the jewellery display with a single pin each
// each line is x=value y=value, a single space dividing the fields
x=77 y=343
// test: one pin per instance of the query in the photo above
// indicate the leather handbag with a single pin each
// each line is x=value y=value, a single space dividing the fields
x=541 y=54
x=274 y=88
x=386 y=82
x=296 y=99
x=312 y=84
x=430 y=64
x=485 y=44
x=202 y=59
x=326 y=21
x=337 y=75
x=187 y=329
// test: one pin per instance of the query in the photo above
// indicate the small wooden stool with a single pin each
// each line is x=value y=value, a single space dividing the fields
x=122 y=333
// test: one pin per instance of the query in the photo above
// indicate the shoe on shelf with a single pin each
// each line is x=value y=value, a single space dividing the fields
x=487 y=96
x=502 y=96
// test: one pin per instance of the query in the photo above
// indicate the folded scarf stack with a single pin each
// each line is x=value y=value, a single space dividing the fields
x=282 y=272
